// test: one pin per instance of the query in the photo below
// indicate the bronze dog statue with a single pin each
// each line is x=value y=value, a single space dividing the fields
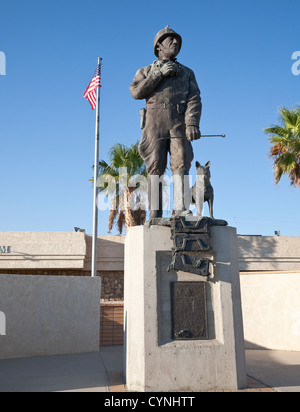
x=198 y=197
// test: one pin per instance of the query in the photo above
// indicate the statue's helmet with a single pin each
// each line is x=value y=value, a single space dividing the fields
x=162 y=34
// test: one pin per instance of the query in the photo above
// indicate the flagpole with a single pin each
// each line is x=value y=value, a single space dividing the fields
x=96 y=168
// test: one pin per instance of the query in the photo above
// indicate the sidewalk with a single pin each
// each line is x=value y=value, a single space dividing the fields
x=277 y=369
x=101 y=372
x=83 y=372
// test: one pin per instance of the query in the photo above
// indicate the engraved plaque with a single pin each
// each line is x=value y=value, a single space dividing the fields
x=189 y=314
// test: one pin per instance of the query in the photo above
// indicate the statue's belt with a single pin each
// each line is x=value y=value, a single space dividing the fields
x=179 y=107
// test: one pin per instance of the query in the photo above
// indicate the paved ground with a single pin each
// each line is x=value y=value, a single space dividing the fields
x=277 y=369
x=81 y=372
x=268 y=371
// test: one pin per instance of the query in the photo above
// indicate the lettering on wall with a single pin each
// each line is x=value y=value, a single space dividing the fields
x=4 y=249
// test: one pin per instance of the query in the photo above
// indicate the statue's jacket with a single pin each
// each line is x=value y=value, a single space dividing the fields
x=172 y=103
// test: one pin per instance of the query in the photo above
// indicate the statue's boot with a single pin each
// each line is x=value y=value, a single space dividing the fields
x=155 y=197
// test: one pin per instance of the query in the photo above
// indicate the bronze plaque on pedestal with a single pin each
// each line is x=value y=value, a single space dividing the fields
x=189 y=312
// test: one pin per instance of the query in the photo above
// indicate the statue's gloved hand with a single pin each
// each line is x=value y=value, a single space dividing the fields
x=193 y=133
x=168 y=69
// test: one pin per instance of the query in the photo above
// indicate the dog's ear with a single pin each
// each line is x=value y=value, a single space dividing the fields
x=207 y=164
x=197 y=164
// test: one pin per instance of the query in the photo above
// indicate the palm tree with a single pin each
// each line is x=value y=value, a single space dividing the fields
x=285 y=150
x=128 y=197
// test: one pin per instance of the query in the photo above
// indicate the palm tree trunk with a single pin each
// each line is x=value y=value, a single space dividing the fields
x=111 y=219
x=121 y=220
x=129 y=220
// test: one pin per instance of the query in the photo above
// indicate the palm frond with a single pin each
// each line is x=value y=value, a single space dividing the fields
x=106 y=169
x=118 y=155
x=277 y=131
x=285 y=145
x=289 y=117
x=295 y=175
x=276 y=150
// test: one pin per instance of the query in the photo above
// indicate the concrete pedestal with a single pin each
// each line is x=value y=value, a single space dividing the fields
x=153 y=360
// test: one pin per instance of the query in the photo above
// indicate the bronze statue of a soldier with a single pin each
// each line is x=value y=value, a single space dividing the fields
x=172 y=116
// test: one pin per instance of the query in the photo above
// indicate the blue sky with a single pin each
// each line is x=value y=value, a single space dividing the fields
x=240 y=52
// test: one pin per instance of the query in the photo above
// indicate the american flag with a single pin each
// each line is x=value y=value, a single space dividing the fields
x=91 y=91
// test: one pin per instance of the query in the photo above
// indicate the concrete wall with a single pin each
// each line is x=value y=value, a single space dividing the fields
x=49 y=315
x=269 y=253
x=270 y=287
x=42 y=250
x=271 y=310
x=59 y=251
x=110 y=253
